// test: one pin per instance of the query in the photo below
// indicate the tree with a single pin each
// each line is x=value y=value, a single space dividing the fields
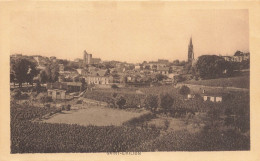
x=182 y=63
x=52 y=72
x=210 y=66
x=184 y=90
x=23 y=70
x=176 y=62
x=38 y=87
x=120 y=102
x=160 y=77
x=230 y=68
x=151 y=102
x=43 y=77
x=166 y=102
x=238 y=53
x=147 y=67
x=83 y=84
x=170 y=70
x=12 y=77
x=32 y=72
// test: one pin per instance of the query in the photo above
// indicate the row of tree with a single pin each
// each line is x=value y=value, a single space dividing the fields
x=23 y=70
x=212 y=66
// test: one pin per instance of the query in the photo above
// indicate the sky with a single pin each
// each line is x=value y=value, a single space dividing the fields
x=128 y=33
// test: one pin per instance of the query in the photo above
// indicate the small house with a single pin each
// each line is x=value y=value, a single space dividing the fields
x=60 y=90
x=191 y=96
x=212 y=97
x=57 y=94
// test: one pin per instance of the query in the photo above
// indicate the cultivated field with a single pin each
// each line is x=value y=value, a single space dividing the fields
x=98 y=116
x=188 y=125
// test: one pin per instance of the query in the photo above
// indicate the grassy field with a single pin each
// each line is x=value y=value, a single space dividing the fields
x=98 y=116
x=238 y=82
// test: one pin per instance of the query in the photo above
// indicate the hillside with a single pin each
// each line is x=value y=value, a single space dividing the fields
x=238 y=82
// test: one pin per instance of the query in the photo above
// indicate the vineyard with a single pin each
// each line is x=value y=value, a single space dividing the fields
x=33 y=137
x=202 y=141
x=226 y=128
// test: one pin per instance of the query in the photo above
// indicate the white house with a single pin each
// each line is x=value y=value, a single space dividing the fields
x=212 y=98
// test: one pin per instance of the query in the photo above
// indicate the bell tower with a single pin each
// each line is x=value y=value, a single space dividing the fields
x=190 y=52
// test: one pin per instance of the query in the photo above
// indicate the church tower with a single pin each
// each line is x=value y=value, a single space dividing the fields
x=190 y=52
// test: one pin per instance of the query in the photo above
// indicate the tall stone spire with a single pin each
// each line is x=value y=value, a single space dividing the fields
x=190 y=51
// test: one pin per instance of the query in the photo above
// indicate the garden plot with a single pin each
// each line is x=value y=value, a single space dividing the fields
x=99 y=116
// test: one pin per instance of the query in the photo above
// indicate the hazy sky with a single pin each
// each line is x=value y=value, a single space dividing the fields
x=128 y=33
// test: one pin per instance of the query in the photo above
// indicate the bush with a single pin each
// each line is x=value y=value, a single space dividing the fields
x=79 y=101
x=17 y=93
x=138 y=121
x=38 y=87
x=114 y=86
x=151 y=102
x=68 y=107
x=184 y=90
x=24 y=96
x=166 y=102
x=47 y=105
x=120 y=102
x=45 y=99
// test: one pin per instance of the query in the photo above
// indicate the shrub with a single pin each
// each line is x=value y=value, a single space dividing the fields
x=79 y=101
x=166 y=102
x=114 y=86
x=24 y=96
x=47 y=105
x=17 y=93
x=120 y=102
x=45 y=99
x=63 y=107
x=142 y=120
x=184 y=90
x=38 y=87
x=68 y=107
x=151 y=102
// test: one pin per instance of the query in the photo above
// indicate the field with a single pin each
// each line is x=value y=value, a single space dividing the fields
x=98 y=116
x=237 y=82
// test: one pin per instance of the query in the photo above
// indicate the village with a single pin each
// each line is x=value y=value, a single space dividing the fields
x=68 y=75
x=157 y=101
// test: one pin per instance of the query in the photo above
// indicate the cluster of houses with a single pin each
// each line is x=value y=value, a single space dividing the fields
x=208 y=96
x=237 y=57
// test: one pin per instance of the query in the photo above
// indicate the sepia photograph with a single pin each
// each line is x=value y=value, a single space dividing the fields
x=125 y=79
x=119 y=79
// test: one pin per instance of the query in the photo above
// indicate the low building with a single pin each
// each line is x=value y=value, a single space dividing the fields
x=163 y=70
x=98 y=79
x=238 y=57
x=212 y=98
x=96 y=60
x=137 y=67
x=57 y=94
x=191 y=96
x=61 y=90
x=81 y=71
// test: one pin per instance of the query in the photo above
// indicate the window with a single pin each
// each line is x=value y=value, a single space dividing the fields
x=58 y=93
